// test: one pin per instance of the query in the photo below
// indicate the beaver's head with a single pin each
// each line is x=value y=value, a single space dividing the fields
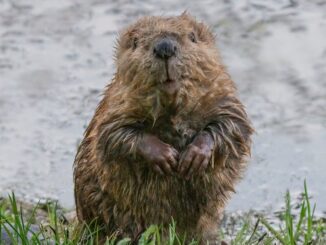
x=164 y=52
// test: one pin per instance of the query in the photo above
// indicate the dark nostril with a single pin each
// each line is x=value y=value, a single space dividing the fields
x=165 y=48
x=155 y=51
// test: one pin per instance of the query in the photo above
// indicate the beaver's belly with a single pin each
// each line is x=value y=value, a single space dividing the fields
x=152 y=199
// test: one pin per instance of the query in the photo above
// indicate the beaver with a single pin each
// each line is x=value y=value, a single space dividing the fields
x=169 y=139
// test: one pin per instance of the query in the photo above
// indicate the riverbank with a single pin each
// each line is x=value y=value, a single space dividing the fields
x=47 y=223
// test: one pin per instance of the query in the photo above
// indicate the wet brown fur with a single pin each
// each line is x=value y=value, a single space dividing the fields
x=116 y=186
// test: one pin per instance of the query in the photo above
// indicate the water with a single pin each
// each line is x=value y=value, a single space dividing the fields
x=56 y=58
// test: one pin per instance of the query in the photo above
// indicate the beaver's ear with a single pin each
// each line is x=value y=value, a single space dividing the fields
x=204 y=33
x=127 y=38
x=184 y=14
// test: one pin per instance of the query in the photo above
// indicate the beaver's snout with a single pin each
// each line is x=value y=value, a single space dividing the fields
x=165 y=48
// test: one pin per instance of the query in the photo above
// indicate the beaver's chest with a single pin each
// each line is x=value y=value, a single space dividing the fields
x=174 y=131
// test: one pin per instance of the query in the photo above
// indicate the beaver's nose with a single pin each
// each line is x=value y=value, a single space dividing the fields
x=165 y=48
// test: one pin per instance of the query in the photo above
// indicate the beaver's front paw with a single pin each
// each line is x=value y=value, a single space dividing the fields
x=197 y=155
x=161 y=156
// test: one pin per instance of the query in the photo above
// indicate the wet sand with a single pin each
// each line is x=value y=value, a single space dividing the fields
x=56 y=58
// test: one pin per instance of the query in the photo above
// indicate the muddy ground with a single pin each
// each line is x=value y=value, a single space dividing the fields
x=56 y=57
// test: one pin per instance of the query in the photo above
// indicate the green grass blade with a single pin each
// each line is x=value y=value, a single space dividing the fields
x=308 y=235
x=253 y=232
x=14 y=239
x=52 y=212
x=18 y=219
x=11 y=236
x=31 y=217
x=299 y=224
x=273 y=231
x=241 y=235
x=289 y=220
x=172 y=234
x=124 y=241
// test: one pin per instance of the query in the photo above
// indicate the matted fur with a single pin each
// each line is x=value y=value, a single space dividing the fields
x=116 y=186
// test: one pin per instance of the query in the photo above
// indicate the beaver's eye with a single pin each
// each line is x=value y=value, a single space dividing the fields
x=192 y=37
x=134 y=42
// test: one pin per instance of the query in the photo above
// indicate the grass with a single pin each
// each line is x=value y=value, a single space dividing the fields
x=43 y=224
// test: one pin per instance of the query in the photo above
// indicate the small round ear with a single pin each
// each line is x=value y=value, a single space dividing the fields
x=204 y=33
x=184 y=14
x=126 y=38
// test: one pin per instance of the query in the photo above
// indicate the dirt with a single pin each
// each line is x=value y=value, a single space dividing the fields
x=56 y=58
